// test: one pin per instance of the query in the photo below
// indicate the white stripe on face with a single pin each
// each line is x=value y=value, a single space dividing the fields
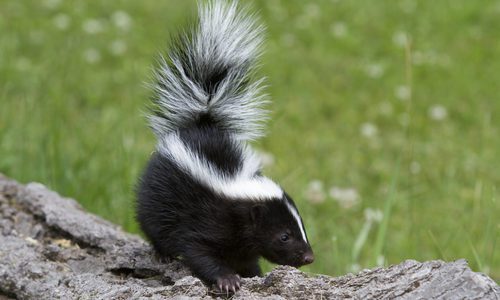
x=296 y=216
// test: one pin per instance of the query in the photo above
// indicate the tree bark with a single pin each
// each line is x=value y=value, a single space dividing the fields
x=50 y=248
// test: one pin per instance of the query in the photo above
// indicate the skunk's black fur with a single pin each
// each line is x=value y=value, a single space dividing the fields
x=202 y=196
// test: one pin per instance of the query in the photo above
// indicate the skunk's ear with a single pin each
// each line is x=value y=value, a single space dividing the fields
x=257 y=212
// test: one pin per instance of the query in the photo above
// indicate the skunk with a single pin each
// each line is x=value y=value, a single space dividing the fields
x=202 y=196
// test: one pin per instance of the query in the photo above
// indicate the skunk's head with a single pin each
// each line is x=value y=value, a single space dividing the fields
x=280 y=233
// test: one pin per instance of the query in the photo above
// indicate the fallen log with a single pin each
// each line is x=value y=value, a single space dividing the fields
x=51 y=248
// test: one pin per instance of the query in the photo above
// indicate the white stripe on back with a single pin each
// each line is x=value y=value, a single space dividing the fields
x=244 y=185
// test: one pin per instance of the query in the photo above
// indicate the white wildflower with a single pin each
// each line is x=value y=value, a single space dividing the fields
x=408 y=6
x=339 y=29
x=346 y=198
x=415 y=167
x=117 y=47
x=312 y=10
x=61 y=21
x=380 y=260
x=374 y=70
x=315 y=192
x=354 y=268
x=368 y=130
x=92 y=26
x=400 y=38
x=373 y=215
x=122 y=20
x=266 y=158
x=51 y=3
x=402 y=92
x=92 y=55
x=385 y=108
x=438 y=112
x=23 y=64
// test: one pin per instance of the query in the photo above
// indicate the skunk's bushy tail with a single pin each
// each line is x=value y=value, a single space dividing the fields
x=208 y=75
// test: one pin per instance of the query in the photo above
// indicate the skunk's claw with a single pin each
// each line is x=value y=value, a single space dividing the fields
x=228 y=284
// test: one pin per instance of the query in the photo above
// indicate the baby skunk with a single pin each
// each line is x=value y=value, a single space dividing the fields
x=202 y=196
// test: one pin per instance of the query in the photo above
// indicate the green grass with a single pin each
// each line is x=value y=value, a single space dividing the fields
x=397 y=100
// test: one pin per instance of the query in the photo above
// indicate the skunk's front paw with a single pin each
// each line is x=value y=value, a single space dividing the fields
x=229 y=283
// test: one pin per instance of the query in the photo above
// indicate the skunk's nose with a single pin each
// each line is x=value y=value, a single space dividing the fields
x=308 y=258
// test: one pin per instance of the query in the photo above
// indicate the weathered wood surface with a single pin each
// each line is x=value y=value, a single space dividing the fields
x=50 y=248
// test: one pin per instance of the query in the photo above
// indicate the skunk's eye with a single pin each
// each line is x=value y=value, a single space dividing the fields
x=284 y=237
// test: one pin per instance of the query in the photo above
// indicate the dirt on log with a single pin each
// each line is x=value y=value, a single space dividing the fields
x=50 y=248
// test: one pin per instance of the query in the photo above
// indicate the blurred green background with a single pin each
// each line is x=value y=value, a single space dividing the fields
x=385 y=124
